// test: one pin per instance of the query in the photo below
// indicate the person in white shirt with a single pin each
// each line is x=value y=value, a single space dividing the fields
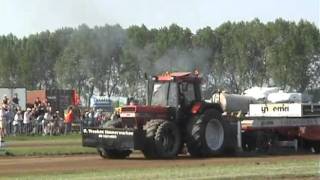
x=46 y=122
x=27 y=121
x=17 y=123
x=3 y=121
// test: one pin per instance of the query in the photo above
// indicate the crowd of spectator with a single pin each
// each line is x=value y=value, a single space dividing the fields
x=37 y=119
x=40 y=119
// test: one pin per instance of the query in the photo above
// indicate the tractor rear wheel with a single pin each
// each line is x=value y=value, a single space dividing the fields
x=113 y=153
x=163 y=139
x=208 y=134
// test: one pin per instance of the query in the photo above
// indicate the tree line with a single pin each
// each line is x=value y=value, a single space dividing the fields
x=113 y=60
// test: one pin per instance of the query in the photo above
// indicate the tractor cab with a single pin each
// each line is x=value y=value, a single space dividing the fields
x=177 y=91
x=174 y=89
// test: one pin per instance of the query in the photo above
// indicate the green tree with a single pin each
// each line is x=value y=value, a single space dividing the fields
x=293 y=49
x=9 y=60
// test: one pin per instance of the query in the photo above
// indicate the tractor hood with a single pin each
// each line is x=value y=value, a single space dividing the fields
x=145 y=112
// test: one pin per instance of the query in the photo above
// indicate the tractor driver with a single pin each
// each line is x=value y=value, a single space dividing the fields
x=186 y=94
x=183 y=104
x=183 y=97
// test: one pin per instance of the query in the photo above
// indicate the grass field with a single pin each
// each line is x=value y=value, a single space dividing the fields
x=46 y=145
x=269 y=170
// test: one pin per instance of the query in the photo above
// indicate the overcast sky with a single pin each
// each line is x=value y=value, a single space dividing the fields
x=23 y=17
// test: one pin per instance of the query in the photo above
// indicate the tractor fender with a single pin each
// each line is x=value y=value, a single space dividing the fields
x=201 y=106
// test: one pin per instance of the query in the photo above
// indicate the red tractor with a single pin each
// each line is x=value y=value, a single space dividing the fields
x=175 y=117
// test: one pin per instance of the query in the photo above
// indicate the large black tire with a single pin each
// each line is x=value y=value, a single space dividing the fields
x=151 y=129
x=163 y=139
x=209 y=135
x=113 y=153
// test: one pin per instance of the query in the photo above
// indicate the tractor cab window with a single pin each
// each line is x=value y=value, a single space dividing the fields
x=165 y=94
x=159 y=95
x=172 y=96
x=187 y=93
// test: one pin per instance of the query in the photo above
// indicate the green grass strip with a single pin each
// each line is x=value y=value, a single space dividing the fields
x=73 y=136
x=45 y=145
x=281 y=170
x=50 y=150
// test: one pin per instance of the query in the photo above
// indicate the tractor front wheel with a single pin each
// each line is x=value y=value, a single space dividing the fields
x=163 y=139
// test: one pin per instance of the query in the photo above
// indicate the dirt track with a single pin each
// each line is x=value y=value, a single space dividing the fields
x=33 y=165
